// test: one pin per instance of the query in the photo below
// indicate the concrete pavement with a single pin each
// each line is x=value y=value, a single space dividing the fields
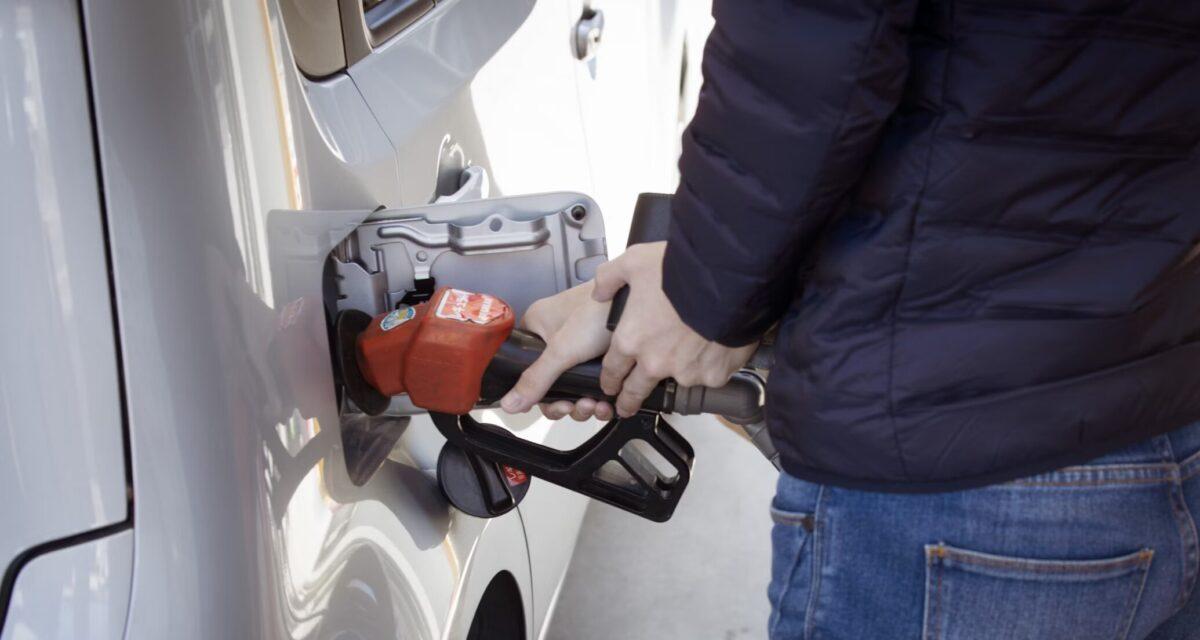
x=701 y=575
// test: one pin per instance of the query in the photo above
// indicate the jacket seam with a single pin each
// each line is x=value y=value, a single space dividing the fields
x=917 y=405
x=1107 y=235
x=1098 y=26
x=908 y=248
x=987 y=132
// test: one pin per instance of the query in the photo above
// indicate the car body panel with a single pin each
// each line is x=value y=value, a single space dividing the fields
x=238 y=448
x=246 y=524
x=227 y=176
x=62 y=464
x=80 y=591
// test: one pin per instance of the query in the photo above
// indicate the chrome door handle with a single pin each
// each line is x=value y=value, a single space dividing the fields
x=588 y=32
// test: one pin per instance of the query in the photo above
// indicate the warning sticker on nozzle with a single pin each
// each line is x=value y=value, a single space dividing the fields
x=465 y=306
x=515 y=477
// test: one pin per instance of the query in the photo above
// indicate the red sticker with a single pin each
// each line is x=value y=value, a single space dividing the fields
x=514 y=476
x=465 y=306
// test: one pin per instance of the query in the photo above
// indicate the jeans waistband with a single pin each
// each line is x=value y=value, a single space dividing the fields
x=1149 y=460
x=1185 y=442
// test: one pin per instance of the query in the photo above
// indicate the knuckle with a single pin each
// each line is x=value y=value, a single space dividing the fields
x=656 y=367
x=623 y=344
x=639 y=386
x=553 y=357
x=525 y=384
x=530 y=383
x=604 y=272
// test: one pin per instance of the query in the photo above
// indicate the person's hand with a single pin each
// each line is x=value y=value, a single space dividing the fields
x=651 y=341
x=573 y=326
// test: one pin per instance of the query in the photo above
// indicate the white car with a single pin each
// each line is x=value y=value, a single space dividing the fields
x=182 y=184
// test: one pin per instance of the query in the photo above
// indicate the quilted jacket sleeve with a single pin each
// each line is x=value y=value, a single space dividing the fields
x=795 y=95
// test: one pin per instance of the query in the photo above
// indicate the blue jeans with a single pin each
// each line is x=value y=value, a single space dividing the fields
x=1098 y=551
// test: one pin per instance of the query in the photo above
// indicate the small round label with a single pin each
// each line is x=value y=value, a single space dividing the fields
x=397 y=318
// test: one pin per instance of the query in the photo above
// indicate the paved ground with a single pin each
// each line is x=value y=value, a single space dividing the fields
x=702 y=575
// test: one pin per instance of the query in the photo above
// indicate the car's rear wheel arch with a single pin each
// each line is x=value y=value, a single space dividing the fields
x=501 y=611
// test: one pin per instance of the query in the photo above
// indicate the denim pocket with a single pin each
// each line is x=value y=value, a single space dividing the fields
x=791 y=571
x=978 y=596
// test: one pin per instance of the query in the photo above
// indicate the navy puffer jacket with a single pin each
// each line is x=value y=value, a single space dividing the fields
x=976 y=223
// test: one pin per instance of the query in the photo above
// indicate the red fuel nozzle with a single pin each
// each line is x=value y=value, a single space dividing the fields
x=436 y=351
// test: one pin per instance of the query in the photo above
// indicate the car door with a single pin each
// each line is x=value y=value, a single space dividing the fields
x=635 y=82
x=64 y=508
x=251 y=519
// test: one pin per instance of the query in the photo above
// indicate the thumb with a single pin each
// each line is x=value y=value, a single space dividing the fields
x=534 y=383
x=610 y=277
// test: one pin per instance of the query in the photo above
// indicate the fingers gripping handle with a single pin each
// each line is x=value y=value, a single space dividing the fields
x=740 y=400
x=581 y=381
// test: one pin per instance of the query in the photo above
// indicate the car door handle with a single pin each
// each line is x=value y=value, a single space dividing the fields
x=588 y=32
x=367 y=24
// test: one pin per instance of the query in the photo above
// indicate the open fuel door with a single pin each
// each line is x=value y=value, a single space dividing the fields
x=392 y=283
x=399 y=286
x=518 y=248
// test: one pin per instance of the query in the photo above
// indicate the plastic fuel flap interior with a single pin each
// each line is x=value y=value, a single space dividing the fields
x=520 y=248
x=511 y=250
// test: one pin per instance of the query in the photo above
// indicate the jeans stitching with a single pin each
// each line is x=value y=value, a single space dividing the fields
x=819 y=523
x=1189 y=559
x=1141 y=559
x=936 y=564
x=777 y=614
x=1190 y=467
x=1115 y=474
x=1092 y=483
x=1131 y=610
x=1190 y=542
x=804 y=520
x=925 y=610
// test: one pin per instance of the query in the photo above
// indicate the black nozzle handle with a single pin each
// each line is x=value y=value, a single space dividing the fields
x=617 y=308
x=522 y=348
x=740 y=399
x=651 y=223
